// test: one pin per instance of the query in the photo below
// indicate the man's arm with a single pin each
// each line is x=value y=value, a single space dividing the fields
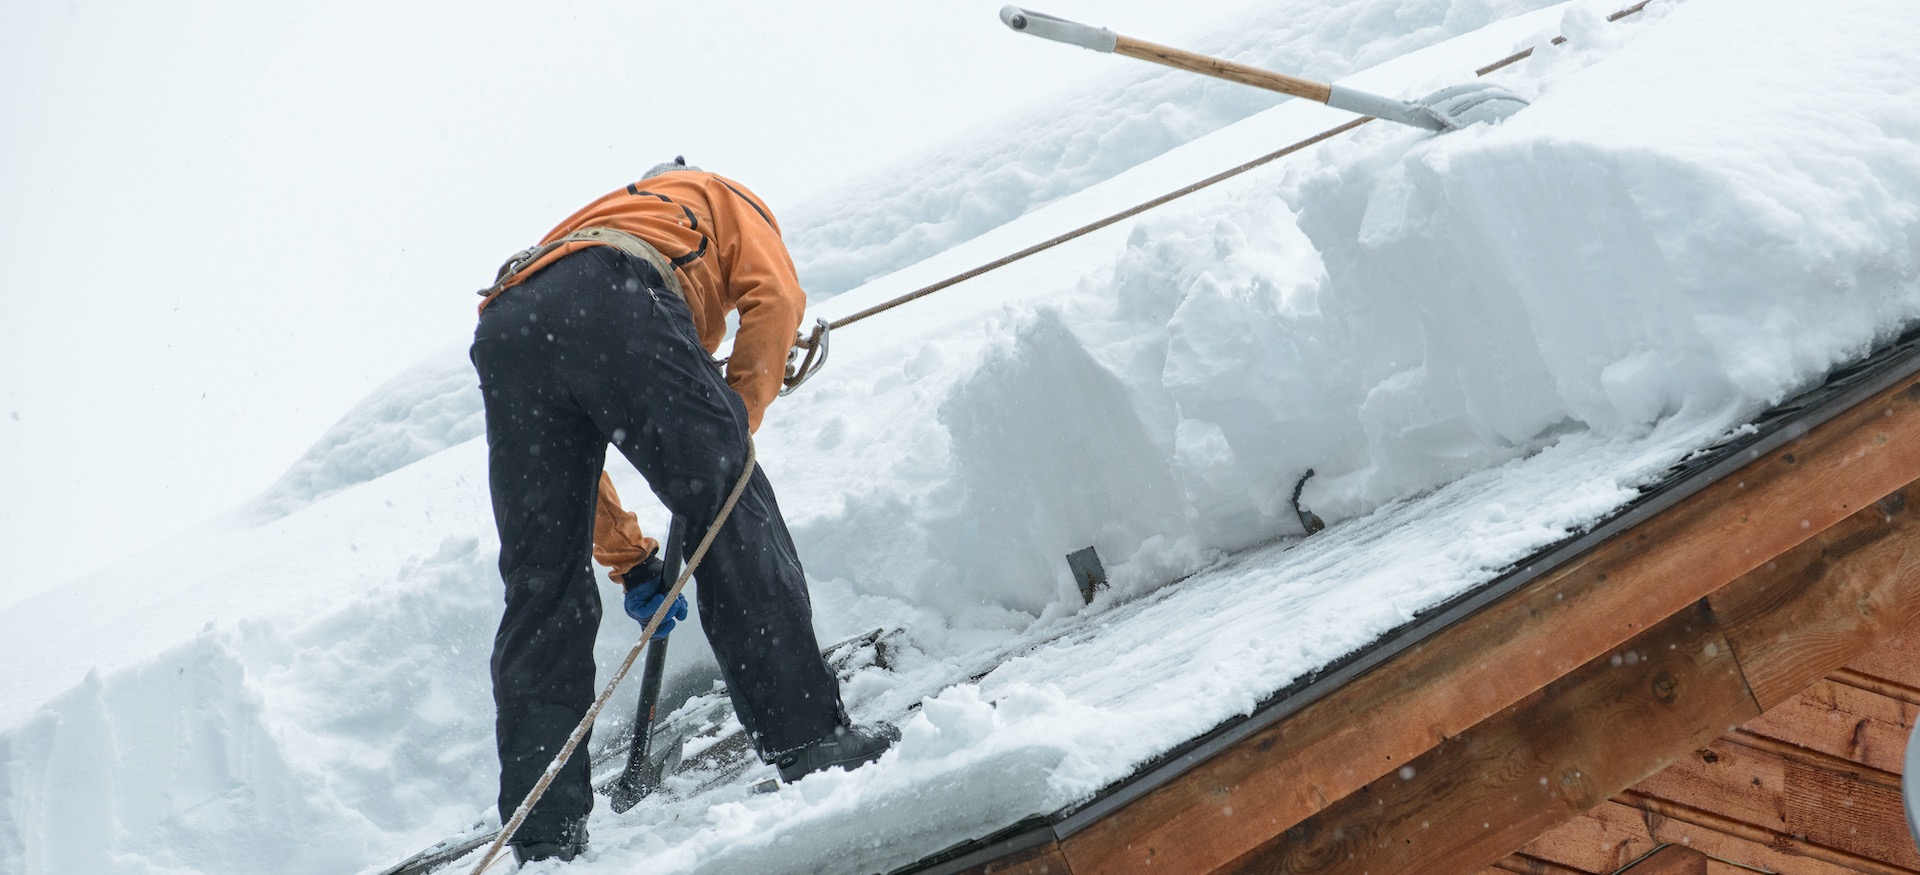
x=767 y=294
x=617 y=541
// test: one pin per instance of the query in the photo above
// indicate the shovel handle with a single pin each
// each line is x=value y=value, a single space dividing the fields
x=1222 y=69
x=1099 y=39
x=635 y=783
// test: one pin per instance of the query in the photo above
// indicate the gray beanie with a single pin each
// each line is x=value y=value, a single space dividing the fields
x=679 y=162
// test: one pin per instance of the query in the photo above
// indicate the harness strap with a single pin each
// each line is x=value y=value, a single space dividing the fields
x=614 y=237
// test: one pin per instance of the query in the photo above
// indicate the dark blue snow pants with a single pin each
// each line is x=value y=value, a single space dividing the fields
x=594 y=350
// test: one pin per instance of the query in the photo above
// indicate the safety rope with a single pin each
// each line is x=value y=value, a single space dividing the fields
x=620 y=674
x=808 y=342
x=1084 y=230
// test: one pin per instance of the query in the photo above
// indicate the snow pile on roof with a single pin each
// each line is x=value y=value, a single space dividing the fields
x=953 y=195
x=1080 y=138
x=1481 y=341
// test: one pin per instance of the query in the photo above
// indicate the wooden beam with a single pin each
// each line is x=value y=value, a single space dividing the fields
x=1832 y=725
x=1821 y=607
x=1371 y=726
x=1792 y=619
x=1482 y=794
x=1669 y=860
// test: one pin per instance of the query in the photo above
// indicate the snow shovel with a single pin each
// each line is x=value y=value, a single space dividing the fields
x=642 y=774
x=1448 y=109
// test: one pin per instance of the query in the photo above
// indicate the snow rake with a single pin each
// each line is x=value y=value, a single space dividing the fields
x=1445 y=110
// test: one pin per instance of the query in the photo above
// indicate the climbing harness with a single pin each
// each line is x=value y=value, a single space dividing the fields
x=619 y=674
x=614 y=237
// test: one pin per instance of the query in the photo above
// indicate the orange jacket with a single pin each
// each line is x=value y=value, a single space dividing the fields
x=617 y=542
x=725 y=245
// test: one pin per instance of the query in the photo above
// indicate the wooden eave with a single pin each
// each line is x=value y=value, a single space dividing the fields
x=1810 y=787
x=1528 y=704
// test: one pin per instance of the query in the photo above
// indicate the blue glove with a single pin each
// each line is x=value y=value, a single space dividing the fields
x=646 y=589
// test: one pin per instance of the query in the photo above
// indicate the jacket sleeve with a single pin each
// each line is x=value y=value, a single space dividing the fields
x=766 y=292
x=617 y=542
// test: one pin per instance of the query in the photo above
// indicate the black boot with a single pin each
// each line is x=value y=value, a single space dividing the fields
x=848 y=747
x=572 y=842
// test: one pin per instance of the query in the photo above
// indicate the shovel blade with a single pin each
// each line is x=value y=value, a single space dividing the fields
x=1473 y=103
x=633 y=786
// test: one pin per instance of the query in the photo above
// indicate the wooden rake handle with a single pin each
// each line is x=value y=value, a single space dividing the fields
x=1100 y=39
x=1219 y=68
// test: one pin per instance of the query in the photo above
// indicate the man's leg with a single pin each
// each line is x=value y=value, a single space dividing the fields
x=544 y=462
x=668 y=410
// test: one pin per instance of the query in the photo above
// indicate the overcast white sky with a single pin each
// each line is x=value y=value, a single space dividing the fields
x=223 y=223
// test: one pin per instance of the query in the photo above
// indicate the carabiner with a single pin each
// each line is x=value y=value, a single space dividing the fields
x=800 y=370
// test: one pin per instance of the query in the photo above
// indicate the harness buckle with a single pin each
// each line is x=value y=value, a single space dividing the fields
x=512 y=267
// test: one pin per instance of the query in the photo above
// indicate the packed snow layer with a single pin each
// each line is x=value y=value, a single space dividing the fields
x=1481 y=342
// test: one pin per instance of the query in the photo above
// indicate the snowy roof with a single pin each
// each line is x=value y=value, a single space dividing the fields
x=1482 y=341
x=1415 y=705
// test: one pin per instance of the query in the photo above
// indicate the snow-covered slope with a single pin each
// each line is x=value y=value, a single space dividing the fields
x=1481 y=341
